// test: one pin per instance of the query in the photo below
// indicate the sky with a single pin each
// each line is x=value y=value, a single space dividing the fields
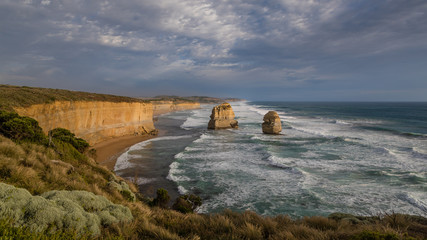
x=281 y=50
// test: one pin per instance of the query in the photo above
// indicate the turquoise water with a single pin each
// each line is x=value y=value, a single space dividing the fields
x=359 y=158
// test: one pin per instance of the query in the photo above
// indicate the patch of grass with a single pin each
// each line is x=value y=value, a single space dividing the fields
x=368 y=235
x=8 y=230
x=16 y=96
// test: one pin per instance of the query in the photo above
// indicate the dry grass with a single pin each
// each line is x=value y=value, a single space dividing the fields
x=15 y=96
x=40 y=169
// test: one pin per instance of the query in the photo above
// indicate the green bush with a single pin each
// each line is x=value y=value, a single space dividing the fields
x=20 y=128
x=187 y=203
x=60 y=210
x=162 y=198
x=368 y=235
x=9 y=231
x=123 y=188
x=65 y=135
x=5 y=172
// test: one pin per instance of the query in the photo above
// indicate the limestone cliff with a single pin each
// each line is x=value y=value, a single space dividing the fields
x=222 y=117
x=271 y=124
x=161 y=107
x=93 y=121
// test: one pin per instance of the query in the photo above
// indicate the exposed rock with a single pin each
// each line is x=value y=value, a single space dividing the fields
x=93 y=121
x=222 y=117
x=97 y=121
x=271 y=124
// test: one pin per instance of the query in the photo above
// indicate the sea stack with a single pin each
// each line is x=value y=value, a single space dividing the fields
x=222 y=117
x=271 y=124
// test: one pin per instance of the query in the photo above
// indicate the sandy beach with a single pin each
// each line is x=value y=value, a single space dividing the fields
x=108 y=151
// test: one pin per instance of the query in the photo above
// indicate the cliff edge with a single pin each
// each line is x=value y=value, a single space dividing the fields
x=93 y=117
x=93 y=121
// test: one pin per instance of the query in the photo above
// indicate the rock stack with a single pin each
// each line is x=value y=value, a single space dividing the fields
x=271 y=124
x=222 y=117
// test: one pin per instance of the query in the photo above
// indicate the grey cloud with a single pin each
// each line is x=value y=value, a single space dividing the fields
x=261 y=47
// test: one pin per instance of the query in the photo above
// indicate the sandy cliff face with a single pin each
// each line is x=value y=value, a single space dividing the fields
x=272 y=123
x=160 y=107
x=222 y=117
x=94 y=121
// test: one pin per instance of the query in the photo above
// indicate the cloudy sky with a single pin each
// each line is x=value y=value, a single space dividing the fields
x=292 y=50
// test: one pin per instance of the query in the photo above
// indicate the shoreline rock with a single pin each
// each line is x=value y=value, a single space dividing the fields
x=222 y=117
x=272 y=123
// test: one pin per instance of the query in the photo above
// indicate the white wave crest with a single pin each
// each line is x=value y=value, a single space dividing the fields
x=416 y=202
x=199 y=118
x=280 y=162
x=123 y=160
x=420 y=150
x=141 y=180
x=174 y=172
x=258 y=110
x=182 y=190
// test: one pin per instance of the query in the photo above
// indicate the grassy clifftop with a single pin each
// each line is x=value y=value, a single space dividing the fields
x=199 y=99
x=15 y=96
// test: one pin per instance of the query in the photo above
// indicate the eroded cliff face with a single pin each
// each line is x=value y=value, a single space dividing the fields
x=222 y=117
x=94 y=121
x=161 y=107
x=272 y=123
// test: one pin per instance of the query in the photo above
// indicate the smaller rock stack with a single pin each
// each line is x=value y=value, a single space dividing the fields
x=222 y=117
x=271 y=124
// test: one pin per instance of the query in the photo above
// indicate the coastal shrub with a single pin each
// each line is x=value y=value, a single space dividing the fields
x=108 y=212
x=123 y=188
x=20 y=128
x=5 y=172
x=65 y=135
x=162 y=198
x=58 y=210
x=368 y=235
x=68 y=152
x=9 y=231
x=187 y=203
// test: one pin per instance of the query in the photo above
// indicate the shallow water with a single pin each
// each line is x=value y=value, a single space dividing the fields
x=359 y=158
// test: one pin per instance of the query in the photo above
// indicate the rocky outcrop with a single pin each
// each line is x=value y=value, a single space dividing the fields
x=271 y=124
x=161 y=107
x=222 y=117
x=94 y=121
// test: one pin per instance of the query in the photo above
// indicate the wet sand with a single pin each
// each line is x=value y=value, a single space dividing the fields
x=108 y=151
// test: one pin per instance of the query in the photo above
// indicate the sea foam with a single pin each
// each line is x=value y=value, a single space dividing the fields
x=123 y=161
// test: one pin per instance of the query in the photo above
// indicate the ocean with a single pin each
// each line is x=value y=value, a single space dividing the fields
x=357 y=158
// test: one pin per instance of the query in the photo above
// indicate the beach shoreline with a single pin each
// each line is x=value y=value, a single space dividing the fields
x=109 y=150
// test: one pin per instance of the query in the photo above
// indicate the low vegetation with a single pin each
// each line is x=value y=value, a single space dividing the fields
x=55 y=174
x=15 y=96
x=66 y=136
x=81 y=211
x=199 y=99
x=21 y=129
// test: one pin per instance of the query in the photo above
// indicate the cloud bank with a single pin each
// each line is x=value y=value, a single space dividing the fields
x=273 y=50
